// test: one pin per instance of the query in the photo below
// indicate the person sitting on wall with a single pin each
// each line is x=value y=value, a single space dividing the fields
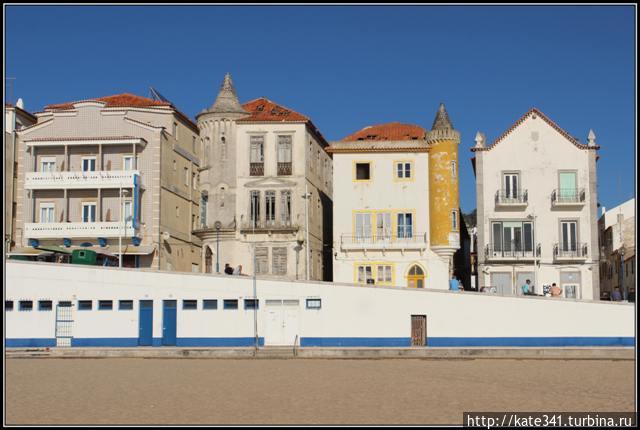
x=555 y=290
x=526 y=288
x=228 y=269
x=616 y=296
x=454 y=284
x=238 y=270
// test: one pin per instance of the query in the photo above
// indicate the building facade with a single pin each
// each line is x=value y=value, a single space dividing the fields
x=15 y=118
x=537 y=209
x=260 y=160
x=617 y=233
x=396 y=212
x=117 y=169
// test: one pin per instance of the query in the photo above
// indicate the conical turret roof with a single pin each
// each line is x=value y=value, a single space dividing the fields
x=442 y=121
x=227 y=100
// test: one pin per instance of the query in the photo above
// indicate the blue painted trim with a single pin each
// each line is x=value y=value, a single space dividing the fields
x=219 y=341
x=23 y=343
x=157 y=341
x=355 y=341
x=531 y=341
x=106 y=341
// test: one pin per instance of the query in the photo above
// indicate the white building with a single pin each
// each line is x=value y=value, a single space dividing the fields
x=537 y=209
x=260 y=159
x=384 y=221
x=617 y=230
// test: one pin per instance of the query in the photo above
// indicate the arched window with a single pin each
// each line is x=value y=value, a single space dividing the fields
x=415 y=277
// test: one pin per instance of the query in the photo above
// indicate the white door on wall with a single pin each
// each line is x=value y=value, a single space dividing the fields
x=282 y=322
x=290 y=321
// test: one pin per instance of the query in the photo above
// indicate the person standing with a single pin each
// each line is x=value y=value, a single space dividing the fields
x=526 y=288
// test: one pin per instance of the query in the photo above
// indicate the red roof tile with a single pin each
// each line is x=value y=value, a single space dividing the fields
x=118 y=100
x=263 y=109
x=390 y=131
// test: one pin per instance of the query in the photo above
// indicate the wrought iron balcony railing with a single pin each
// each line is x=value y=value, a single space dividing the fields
x=512 y=250
x=513 y=197
x=568 y=196
x=570 y=250
x=256 y=169
x=284 y=169
x=262 y=225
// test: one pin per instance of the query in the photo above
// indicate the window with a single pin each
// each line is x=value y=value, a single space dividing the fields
x=251 y=304
x=383 y=226
x=193 y=144
x=47 y=212
x=45 y=305
x=194 y=181
x=105 y=305
x=26 y=305
x=363 y=172
x=89 y=212
x=270 y=207
x=384 y=274
x=454 y=169
x=127 y=162
x=569 y=235
x=511 y=182
x=125 y=305
x=262 y=260
x=175 y=166
x=175 y=130
x=568 y=186
x=314 y=303
x=186 y=176
x=47 y=164
x=177 y=211
x=454 y=219
x=85 y=305
x=209 y=304
x=405 y=225
x=254 y=214
x=230 y=304
x=285 y=209
x=415 y=277
x=89 y=164
x=257 y=149
x=510 y=237
x=8 y=305
x=279 y=260
x=204 y=200
x=284 y=155
x=365 y=275
x=403 y=170
x=363 y=226
x=190 y=305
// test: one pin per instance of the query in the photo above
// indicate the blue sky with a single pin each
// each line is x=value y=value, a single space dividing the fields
x=351 y=66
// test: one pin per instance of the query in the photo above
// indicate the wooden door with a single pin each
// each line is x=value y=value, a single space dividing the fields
x=418 y=330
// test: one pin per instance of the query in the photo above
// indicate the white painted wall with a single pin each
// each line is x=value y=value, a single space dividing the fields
x=347 y=310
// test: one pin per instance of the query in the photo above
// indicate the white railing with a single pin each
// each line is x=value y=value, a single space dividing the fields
x=70 y=180
x=46 y=230
x=384 y=241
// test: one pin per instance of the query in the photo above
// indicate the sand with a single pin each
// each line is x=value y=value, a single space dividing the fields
x=305 y=391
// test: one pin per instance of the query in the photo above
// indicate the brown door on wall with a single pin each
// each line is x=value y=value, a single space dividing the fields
x=418 y=330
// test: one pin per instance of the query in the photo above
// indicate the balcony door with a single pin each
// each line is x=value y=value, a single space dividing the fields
x=383 y=226
x=568 y=186
x=48 y=164
x=512 y=235
x=89 y=164
x=512 y=238
x=405 y=225
x=363 y=227
x=569 y=231
x=510 y=182
x=47 y=212
x=89 y=212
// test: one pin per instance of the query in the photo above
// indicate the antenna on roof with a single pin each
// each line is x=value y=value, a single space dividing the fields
x=155 y=95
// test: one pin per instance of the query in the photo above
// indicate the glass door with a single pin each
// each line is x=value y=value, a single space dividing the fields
x=568 y=186
x=511 y=184
x=569 y=236
x=363 y=227
x=88 y=212
x=383 y=226
x=405 y=225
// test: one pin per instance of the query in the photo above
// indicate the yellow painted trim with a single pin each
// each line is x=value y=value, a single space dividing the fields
x=374 y=219
x=374 y=271
x=353 y=166
x=416 y=277
x=395 y=171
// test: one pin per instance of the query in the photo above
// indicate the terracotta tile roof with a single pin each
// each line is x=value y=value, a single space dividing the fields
x=538 y=112
x=118 y=100
x=393 y=131
x=263 y=109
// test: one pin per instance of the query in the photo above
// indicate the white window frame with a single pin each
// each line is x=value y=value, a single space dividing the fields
x=404 y=170
x=128 y=210
x=95 y=163
x=95 y=211
x=285 y=148
x=128 y=158
x=50 y=162
x=365 y=272
x=50 y=214
x=256 y=148
x=186 y=177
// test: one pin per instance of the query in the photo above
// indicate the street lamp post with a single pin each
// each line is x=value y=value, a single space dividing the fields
x=122 y=227
x=218 y=225
x=624 y=287
x=535 y=252
x=306 y=197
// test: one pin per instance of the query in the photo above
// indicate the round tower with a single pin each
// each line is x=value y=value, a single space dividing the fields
x=218 y=163
x=444 y=199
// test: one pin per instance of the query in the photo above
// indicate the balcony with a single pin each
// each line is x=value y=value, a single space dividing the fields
x=76 y=230
x=512 y=199
x=256 y=169
x=511 y=252
x=263 y=226
x=79 y=180
x=284 y=169
x=570 y=252
x=383 y=242
x=568 y=197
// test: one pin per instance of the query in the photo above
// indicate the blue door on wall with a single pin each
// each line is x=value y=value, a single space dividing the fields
x=145 y=332
x=169 y=323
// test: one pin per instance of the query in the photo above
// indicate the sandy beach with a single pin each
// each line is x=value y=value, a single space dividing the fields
x=305 y=391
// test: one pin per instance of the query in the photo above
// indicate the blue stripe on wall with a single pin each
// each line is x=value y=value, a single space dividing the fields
x=105 y=341
x=531 y=341
x=355 y=341
x=219 y=341
x=25 y=343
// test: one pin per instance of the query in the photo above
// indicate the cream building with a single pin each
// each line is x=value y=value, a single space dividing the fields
x=396 y=219
x=123 y=166
x=15 y=118
x=617 y=231
x=259 y=161
x=537 y=209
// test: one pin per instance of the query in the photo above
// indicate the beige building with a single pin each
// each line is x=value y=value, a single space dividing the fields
x=617 y=232
x=537 y=209
x=15 y=118
x=123 y=166
x=259 y=160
